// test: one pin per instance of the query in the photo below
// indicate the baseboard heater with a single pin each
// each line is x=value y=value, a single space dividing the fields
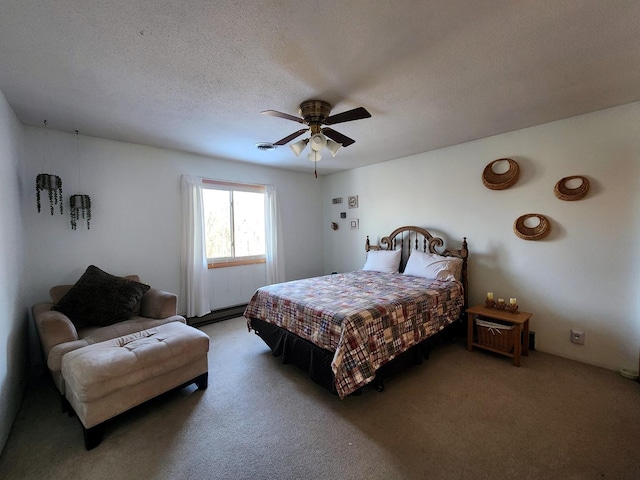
x=218 y=315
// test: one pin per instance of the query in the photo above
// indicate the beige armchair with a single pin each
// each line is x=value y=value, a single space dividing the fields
x=58 y=335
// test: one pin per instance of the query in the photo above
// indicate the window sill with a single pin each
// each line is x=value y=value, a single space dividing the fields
x=236 y=263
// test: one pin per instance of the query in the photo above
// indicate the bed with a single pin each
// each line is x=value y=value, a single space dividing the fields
x=347 y=329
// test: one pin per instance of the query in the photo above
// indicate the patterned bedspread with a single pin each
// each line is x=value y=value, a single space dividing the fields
x=367 y=318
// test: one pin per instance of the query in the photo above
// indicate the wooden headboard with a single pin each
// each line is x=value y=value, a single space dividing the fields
x=411 y=238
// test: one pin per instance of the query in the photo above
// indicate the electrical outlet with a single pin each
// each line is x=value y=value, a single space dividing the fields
x=577 y=336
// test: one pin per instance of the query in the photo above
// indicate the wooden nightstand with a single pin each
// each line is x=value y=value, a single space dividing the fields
x=520 y=320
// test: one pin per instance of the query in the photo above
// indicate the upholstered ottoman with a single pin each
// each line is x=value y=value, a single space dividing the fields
x=110 y=377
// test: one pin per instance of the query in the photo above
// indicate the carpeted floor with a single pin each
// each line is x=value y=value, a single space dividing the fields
x=459 y=415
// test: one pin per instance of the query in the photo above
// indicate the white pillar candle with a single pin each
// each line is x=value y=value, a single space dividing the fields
x=512 y=301
x=501 y=300
x=489 y=295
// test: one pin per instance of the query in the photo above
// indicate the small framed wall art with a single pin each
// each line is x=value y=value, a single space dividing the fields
x=353 y=201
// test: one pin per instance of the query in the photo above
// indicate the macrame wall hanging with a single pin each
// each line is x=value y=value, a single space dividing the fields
x=49 y=182
x=79 y=204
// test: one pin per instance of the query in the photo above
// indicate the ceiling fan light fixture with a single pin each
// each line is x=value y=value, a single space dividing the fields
x=333 y=147
x=299 y=146
x=318 y=142
x=314 y=156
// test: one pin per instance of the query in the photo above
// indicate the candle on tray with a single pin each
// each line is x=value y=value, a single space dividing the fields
x=489 y=295
x=512 y=301
x=501 y=300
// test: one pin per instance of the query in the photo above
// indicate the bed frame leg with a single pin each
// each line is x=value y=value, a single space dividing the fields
x=425 y=350
x=379 y=384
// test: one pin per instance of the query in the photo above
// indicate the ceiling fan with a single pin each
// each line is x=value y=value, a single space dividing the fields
x=316 y=114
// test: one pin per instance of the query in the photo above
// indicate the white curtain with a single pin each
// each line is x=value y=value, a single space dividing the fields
x=194 y=283
x=273 y=240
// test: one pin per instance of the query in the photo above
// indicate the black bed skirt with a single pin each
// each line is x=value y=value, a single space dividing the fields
x=317 y=361
x=298 y=351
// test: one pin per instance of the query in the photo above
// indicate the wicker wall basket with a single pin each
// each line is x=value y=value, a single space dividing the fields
x=500 y=181
x=532 y=233
x=570 y=194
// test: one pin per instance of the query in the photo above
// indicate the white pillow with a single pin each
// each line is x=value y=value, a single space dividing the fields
x=434 y=267
x=455 y=264
x=386 y=261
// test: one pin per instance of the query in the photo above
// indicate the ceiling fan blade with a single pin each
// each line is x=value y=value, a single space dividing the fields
x=274 y=113
x=338 y=137
x=286 y=140
x=355 y=114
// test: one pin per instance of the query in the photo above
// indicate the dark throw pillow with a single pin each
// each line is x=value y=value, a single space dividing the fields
x=100 y=299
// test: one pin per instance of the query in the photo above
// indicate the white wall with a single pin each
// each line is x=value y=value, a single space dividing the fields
x=136 y=205
x=583 y=276
x=14 y=314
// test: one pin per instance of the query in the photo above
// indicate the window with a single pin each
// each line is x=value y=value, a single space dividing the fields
x=234 y=223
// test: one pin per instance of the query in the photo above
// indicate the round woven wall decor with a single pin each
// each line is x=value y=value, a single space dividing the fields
x=532 y=233
x=569 y=194
x=500 y=181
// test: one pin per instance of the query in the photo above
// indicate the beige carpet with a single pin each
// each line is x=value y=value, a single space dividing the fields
x=460 y=415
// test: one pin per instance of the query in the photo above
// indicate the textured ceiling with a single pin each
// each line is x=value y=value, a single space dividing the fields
x=194 y=75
